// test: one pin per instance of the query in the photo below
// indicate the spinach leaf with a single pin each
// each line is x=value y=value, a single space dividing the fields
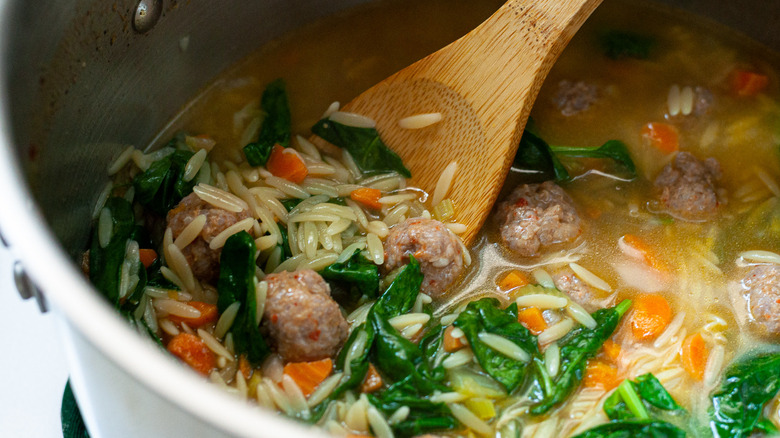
x=634 y=429
x=400 y=296
x=654 y=393
x=613 y=149
x=485 y=315
x=357 y=274
x=424 y=415
x=276 y=127
x=286 y=251
x=161 y=186
x=237 y=284
x=369 y=152
x=534 y=154
x=105 y=263
x=290 y=203
x=632 y=400
x=748 y=385
x=576 y=348
x=618 y=44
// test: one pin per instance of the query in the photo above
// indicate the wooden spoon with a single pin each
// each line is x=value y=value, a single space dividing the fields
x=484 y=84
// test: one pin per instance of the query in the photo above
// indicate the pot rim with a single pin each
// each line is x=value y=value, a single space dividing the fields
x=73 y=297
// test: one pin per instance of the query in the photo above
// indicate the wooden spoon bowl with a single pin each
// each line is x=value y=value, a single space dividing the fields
x=484 y=84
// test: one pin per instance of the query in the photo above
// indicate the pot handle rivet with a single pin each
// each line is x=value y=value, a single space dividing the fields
x=26 y=287
x=147 y=13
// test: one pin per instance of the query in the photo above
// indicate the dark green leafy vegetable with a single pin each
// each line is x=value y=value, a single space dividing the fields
x=634 y=429
x=357 y=274
x=105 y=264
x=618 y=44
x=747 y=386
x=612 y=149
x=485 y=316
x=236 y=284
x=276 y=127
x=633 y=399
x=424 y=415
x=534 y=155
x=577 y=347
x=161 y=186
x=70 y=416
x=541 y=160
x=367 y=149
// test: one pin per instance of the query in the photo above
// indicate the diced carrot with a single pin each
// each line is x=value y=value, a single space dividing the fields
x=532 y=319
x=746 y=83
x=649 y=255
x=194 y=352
x=599 y=374
x=694 y=355
x=147 y=256
x=367 y=196
x=372 y=382
x=244 y=366
x=513 y=280
x=451 y=343
x=662 y=136
x=611 y=350
x=208 y=314
x=308 y=375
x=650 y=316
x=286 y=163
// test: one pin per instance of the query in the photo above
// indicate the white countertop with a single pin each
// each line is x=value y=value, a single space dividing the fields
x=33 y=371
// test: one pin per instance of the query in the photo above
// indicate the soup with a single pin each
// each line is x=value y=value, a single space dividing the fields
x=627 y=284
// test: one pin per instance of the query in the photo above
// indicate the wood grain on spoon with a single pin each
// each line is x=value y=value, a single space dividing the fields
x=484 y=84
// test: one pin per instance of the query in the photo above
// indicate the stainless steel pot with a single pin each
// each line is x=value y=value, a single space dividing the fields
x=82 y=78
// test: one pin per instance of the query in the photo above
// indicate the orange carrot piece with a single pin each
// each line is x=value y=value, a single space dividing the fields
x=147 y=256
x=650 y=316
x=451 y=343
x=245 y=367
x=372 y=382
x=308 y=375
x=285 y=163
x=532 y=319
x=694 y=353
x=194 y=352
x=599 y=374
x=611 y=350
x=513 y=280
x=649 y=255
x=367 y=196
x=208 y=314
x=662 y=136
x=746 y=83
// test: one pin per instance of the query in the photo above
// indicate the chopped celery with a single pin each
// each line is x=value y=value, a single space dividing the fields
x=473 y=384
x=481 y=407
x=445 y=211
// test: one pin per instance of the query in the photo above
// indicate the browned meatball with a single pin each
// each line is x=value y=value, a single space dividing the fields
x=577 y=290
x=535 y=216
x=763 y=297
x=203 y=260
x=303 y=322
x=433 y=245
x=575 y=97
x=687 y=187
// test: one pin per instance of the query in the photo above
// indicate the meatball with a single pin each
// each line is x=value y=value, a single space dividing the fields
x=536 y=216
x=433 y=245
x=203 y=260
x=303 y=322
x=687 y=187
x=763 y=297
x=575 y=97
x=577 y=290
